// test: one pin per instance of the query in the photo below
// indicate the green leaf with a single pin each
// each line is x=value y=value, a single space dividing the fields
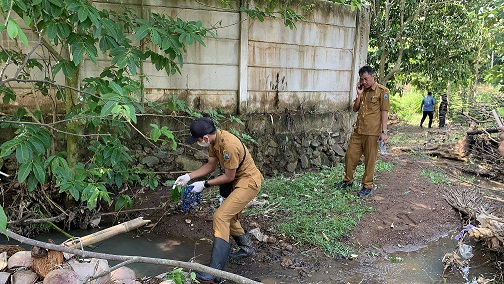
x=3 y=221
x=130 y=113
x=74 y=192
x=45 y=138
x=91 y=51
x=123 y=202
x=22 y=37
x=8 y=94
x=155 y=134
x=12 y=29
x=32 y=183
x=24 y=153
x=82 y=14
x=39 y=171
x=91 y=201
x=37 y=145
x=116 y=88
x=107 y=108
x=24 y=171
x=77 y=52
x=141 y=32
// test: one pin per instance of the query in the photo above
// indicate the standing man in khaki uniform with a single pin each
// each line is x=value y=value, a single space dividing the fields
x=372 y=104
x=239 y=170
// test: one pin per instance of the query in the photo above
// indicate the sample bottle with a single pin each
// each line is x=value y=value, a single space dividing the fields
x=383 y=148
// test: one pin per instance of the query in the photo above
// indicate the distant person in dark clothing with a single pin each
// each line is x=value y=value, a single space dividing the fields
x=443 y=110
x=427 y=106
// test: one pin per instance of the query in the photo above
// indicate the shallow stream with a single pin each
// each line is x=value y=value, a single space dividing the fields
x=411 y=265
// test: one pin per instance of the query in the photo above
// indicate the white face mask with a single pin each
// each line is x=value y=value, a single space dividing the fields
x=203 y=143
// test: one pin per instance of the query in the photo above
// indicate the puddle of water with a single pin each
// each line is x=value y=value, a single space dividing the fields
x=132 y=244
x=414 y=267
x=425 y=265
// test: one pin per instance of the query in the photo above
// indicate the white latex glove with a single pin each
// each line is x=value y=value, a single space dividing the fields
x=182 y=180
x=198 y=186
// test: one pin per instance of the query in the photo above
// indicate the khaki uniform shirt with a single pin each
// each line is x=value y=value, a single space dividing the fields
x=230 y=151
x=374 y=100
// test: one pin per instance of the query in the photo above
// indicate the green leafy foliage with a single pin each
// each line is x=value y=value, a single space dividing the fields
x=176 y=193
x=124 y=201
x=157 y=132
x=103 y=107
x=436 y=177
x=438 y=46
x=286 y=10
x=29 y=145
x=178 y=276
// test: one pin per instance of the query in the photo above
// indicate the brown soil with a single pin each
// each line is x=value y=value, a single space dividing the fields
x=409 y=210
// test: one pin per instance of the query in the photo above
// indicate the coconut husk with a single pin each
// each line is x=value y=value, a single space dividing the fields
x=10 y=249
x=44 y=261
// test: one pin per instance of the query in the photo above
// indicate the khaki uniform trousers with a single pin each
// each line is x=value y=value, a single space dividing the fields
x=357 y=146
x=225 y=218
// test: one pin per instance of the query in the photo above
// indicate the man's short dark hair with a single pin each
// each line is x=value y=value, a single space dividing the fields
x=366 y=69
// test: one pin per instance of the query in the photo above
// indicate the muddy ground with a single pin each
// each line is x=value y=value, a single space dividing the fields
x=409 y=210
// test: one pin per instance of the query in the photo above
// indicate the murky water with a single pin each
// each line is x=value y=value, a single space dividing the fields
x=411 y=265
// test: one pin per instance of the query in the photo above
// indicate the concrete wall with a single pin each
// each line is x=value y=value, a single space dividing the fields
x=263 y=67
x=253 y=66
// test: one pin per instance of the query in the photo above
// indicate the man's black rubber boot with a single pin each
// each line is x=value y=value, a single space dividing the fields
x=364 y=192
x=246 y=246
x=220 y=253
x=342 y=184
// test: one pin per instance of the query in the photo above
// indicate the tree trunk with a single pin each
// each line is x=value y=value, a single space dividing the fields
x=72 y=126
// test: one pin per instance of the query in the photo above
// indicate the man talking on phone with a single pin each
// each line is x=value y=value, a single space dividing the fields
x=372 y=104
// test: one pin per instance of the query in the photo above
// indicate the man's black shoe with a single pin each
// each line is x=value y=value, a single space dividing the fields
x=342 y=184
x=364 y=192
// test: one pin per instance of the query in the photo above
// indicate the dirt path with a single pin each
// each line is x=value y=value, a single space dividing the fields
x=409 y=210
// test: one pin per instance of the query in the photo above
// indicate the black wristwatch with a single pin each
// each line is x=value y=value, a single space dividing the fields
x=206 y=184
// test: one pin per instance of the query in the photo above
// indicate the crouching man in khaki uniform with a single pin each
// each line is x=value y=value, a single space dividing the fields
x=239 y=170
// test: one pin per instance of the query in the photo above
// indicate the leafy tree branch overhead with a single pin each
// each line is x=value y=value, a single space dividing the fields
x=105 y=107
x=442 y=46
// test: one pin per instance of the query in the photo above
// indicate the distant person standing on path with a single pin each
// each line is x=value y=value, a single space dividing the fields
x=372 y=104
x=427 y=106
x=443 y=110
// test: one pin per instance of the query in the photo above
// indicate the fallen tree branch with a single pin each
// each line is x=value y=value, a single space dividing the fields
x=37 y=221
x=174 y=263
x=477 y=132
x=124 y=263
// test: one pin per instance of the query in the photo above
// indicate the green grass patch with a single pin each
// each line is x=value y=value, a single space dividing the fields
x=436 y=177
x=407 y=106
x=308 y=209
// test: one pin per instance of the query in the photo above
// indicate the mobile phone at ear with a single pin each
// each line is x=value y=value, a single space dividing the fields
x=497 y=118
x=361 y=86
